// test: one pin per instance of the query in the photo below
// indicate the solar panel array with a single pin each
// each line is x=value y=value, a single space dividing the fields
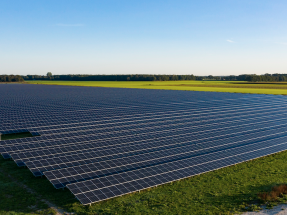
x=106 y=142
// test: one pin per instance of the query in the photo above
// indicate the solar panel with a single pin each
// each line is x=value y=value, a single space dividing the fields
x=151 y=148
x=122 y=183
x=105 y=142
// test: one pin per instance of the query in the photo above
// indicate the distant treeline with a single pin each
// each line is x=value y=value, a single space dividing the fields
x=257 y=78
x=112 y=77
x=267 y=78
x=11 y=78
x=49 y=76
x=251 y=78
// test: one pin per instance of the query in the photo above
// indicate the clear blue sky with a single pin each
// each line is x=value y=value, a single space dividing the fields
x=206 y=37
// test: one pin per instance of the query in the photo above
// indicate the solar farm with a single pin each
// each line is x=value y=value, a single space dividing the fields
x=102 y=143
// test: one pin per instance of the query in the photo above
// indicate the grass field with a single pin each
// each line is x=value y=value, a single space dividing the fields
x=15 y=136
x=225 y=191
x=214 y=86
x=15 y=199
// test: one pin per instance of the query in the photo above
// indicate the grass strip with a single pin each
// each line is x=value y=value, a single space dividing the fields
x=16 y=136
x=14 y=199
x=214 y=86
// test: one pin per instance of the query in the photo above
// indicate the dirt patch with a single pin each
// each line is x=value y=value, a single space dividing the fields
x=277 y=210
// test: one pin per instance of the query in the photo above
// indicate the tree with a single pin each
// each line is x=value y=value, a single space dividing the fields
x=49 y=74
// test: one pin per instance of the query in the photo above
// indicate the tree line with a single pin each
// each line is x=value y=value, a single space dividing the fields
x=250 y=78
x=49 y=76
x=258 y=78
x=11 y=78
x=111 y=77
x=267 y=78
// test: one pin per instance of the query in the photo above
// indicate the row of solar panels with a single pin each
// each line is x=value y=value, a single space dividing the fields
x=135 y=139
x=44 y=159
x=129 y=174
x=126 y=121
x=123 y=183
x=162 y=130
x=101 y=114
x=75 y=119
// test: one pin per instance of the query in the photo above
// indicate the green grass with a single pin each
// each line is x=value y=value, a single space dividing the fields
x=214 y=86
x=16 y=136
x=16 y=200
x=222 y=191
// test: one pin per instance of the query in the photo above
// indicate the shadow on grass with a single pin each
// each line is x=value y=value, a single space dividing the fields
x=61 y=198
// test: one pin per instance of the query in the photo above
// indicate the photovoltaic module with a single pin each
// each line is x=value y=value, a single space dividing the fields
x=102 y=143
